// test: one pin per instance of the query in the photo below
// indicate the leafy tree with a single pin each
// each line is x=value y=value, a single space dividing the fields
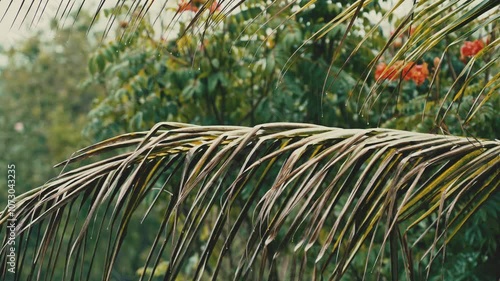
x=285 y=200
x=220 y=76
x=43 y=105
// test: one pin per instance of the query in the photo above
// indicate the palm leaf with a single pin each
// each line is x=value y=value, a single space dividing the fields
x=311 y=196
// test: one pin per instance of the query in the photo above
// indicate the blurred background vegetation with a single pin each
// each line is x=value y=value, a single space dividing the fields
x=62 y=92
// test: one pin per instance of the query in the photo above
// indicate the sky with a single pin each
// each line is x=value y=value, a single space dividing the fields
x=14 y=29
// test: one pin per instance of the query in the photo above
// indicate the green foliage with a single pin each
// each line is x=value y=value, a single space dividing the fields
x=249 y=68
x=43 y=107
x=221 y=76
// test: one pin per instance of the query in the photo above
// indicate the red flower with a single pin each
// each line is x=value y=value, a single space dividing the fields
x=411 y=71
x=383 y=72
x=408 y=71
x=379 y=70
x=419 y=73
x=186 y=6
x=437 y=61
x=215 y=7
x=470 y=49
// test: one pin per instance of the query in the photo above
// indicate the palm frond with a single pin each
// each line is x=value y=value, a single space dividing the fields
x=309 y=196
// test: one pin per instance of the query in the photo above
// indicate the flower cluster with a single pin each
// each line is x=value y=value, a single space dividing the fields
x=410 y=71
x=471 y=48
x=419 y=72
x=185 y=6
x=194 y=6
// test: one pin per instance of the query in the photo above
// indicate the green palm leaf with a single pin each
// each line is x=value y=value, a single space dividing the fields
x=311 y=196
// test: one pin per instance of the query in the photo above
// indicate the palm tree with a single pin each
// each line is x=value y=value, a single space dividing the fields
x=250 y=201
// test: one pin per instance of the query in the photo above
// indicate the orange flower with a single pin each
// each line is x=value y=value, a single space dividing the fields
x=383 y=72
x=379 y=70
x=411 y=71
x=215 y=7
x=186 y=6
x=419 y=73
x=408 y=71
x=437 y=61
x=470 y=49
